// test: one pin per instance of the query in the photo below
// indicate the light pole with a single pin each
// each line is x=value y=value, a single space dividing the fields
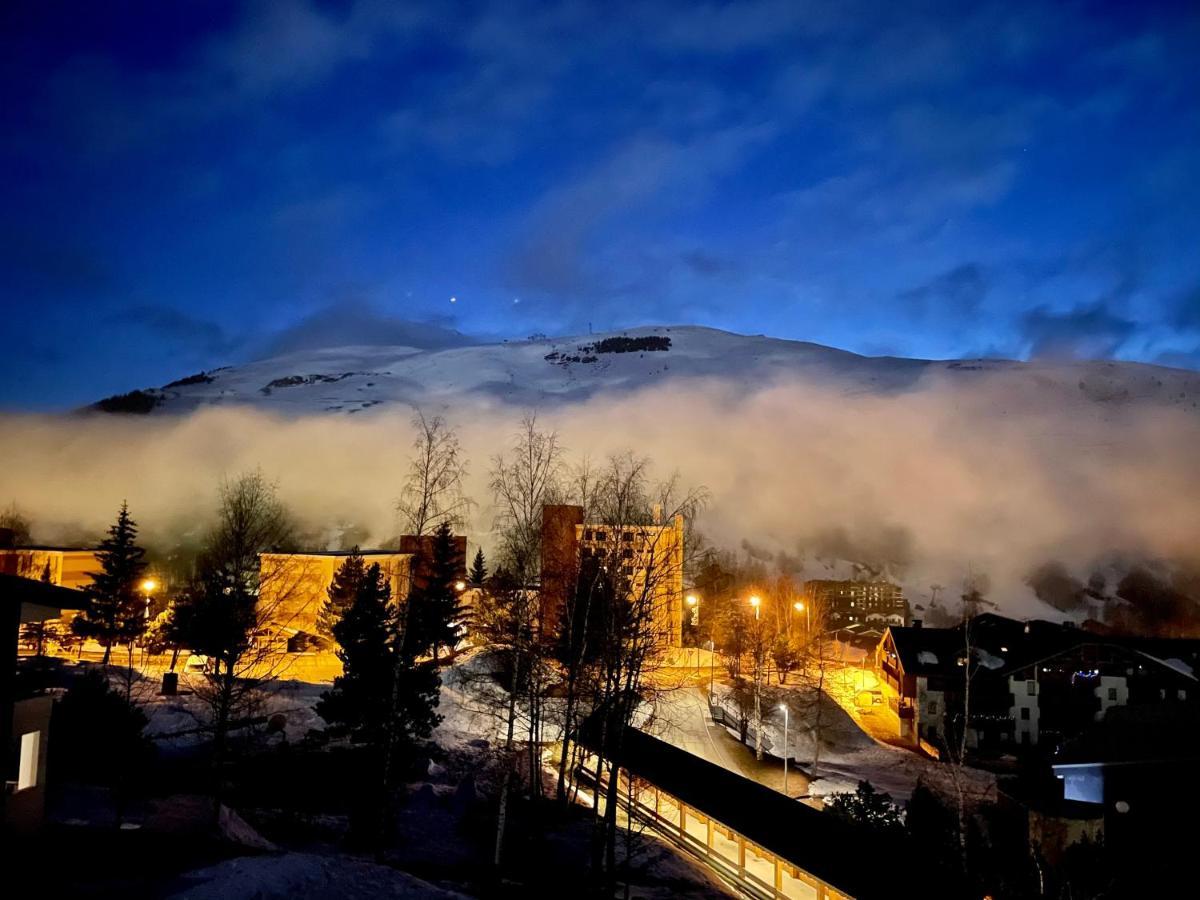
x=712 y=668
x=783 y=706
x=693 y=603
x=798 y=606
x=756 y=602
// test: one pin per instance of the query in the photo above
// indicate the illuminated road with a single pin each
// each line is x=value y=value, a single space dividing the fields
x=681 y=717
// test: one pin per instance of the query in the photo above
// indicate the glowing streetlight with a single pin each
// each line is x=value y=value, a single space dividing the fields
x=148 y=587
x=460 y=586
x=693 y=603
x=800 y=607
x=783 y=706
x=756 y=602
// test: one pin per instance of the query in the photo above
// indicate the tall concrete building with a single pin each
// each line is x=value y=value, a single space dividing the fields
x=858 y=602
x=648 y=558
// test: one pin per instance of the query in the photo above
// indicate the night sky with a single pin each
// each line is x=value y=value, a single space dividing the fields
x=189 y=184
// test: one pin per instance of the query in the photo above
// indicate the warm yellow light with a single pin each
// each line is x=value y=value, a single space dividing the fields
x=799 y=607
x=755 y=600
x=460 y=585
x=692 y=600
x=149 y=585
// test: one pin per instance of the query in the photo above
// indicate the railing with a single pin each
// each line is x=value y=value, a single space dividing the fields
x=736 y=875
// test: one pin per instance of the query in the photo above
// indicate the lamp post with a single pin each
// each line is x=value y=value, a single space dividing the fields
x=712 y=663
x=756 y=602
x=798 y=606
x=693 y=603
x=783 y=706
x=148 y=586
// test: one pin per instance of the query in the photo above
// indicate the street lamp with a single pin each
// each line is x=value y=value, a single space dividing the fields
x=148 y=586
x=783 y=706
x=712 y=662
x=798 y=606
x=756 y=602
x=693 y=603
x=460 y=586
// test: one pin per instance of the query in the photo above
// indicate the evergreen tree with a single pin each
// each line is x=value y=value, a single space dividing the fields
x=434 y=610
x=115 y=611
x=359 y=700
x=478 y=575
x=342 y=592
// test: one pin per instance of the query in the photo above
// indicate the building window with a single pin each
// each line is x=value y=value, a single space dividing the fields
x=1182 y=694
x=27 y=771
x=588 y=535
x=1112 y=693
x=1031 y=688
x=932 y=707
x=601 y=536
x=627 y=553
x=627 y=537
x=627 y=570
x=1024 y=712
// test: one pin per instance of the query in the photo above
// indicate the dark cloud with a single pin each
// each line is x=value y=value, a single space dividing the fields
x=356 y=322
x=178 y=329
x=958 y=291
x=1085 y=332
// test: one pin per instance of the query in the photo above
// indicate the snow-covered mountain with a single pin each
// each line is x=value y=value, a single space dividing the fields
x=546 y=372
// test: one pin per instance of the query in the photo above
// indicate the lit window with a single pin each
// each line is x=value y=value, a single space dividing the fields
x=27 y=773
x=1182 y=694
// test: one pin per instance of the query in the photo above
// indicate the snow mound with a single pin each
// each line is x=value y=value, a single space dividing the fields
x=305 y=875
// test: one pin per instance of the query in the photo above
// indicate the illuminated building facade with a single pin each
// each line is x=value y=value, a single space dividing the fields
x=646 y=558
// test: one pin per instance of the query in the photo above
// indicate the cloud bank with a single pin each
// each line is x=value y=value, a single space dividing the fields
x=926 y=485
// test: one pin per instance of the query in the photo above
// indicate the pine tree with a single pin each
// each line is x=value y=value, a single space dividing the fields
x=115 y=613
x=342 y=591
x=434 y=609
x=359 y=699
x=478 y=575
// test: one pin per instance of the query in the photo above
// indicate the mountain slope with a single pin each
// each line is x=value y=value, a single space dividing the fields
x=548 y=372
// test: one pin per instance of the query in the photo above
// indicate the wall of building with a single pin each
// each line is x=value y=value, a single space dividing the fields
x=295 y=586
x=1024 y=711
x=1113 y=690
x=25 y=807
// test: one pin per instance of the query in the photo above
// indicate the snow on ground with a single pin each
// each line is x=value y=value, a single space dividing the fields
x=304 y=875
x=545 y=371
x=847 y=755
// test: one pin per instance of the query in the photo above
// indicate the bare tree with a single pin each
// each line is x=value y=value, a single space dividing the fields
x=433 y=489
x=645 y=565
x=523 y=478
x=237 y=607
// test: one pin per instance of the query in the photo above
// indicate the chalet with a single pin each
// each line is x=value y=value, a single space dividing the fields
x=1032 y=682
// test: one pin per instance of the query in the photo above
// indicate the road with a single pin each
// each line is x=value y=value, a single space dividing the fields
x=682 y=719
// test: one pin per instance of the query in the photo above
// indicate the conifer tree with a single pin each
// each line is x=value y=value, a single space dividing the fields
x=434 y=609
x=341 y=593
x=359 y=700
x=478 y=575
x=115 y=612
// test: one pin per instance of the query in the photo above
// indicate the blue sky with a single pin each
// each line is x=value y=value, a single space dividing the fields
x=198 y=183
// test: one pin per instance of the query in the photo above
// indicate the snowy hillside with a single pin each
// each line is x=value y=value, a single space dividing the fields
x=551 y=371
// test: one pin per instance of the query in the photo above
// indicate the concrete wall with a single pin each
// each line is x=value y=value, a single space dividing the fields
x=294 y=586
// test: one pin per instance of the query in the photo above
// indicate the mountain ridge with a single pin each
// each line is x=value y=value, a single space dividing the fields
x=543 y=372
